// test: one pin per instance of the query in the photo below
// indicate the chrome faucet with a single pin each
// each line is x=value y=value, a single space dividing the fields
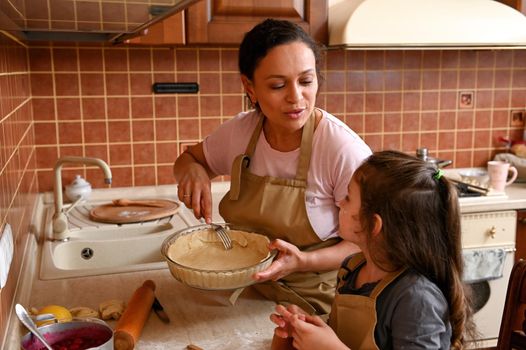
x=60 y=219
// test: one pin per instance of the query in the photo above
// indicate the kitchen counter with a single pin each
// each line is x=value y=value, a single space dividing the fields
x=204 y=318
x=514 y=199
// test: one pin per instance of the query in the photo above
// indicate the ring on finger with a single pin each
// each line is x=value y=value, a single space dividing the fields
x=187 y=195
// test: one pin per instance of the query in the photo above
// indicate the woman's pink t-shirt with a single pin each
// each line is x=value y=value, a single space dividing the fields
x=336 y=153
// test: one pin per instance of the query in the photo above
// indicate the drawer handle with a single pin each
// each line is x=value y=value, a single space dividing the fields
x=492 y=232
x=522 y=220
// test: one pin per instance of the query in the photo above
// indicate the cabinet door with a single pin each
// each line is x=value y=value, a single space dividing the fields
x=520 y=244
x=226 y=21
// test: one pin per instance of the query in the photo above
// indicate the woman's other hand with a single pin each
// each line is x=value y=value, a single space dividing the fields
x=289 y=259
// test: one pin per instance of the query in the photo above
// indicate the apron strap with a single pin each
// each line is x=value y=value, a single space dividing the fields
x=240 y=162
x=255 y=137
x=384 y=282
x=306 y=148
x=359 y=259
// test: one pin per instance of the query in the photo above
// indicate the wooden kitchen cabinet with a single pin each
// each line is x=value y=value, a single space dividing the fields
x=224 y=22
x=520 y=243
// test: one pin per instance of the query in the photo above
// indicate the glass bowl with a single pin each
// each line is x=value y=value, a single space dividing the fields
x=248 y=244
x=475 y=176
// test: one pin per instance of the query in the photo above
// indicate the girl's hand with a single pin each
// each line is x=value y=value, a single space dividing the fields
x=289 y=259
x=283 y=317
x=311 y=332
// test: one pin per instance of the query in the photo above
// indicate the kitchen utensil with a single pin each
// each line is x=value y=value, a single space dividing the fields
x=131 y=323
x=471 y=187
x=159 y=311
x=116 y=214
x=423 y=154
x=85 y=333
x=23 y=316
x=124 y=202
x=223 y=235
x=212 y=278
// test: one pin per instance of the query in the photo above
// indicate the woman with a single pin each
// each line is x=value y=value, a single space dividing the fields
x=404 y=289
x=289 y=164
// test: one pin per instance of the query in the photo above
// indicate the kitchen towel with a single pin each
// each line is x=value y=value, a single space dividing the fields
x=483 y=264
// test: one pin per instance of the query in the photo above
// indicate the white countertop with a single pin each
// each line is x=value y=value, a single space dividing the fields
x=203 y=318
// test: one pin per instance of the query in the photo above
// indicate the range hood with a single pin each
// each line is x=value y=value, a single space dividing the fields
x=84 y=20
x=425 y=24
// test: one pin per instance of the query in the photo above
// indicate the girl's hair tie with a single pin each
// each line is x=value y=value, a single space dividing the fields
x=438 y=174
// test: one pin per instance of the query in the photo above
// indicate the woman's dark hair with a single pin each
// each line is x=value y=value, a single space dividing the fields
x=420 y=227
x=267 y=35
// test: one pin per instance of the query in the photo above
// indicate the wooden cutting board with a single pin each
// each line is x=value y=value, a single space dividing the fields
x=115 y=214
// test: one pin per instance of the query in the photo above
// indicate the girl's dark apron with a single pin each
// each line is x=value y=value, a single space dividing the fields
x=353 y=317
x=276 y=206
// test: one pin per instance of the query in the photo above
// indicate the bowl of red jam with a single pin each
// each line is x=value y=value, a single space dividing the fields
x=78 y=334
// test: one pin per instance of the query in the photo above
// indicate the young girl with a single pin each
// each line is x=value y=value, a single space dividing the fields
x=404 y=290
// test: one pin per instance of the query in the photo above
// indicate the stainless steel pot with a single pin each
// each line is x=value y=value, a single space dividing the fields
x=88 y=330
x=423 y=154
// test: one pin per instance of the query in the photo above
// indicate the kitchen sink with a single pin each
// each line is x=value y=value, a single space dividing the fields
x=95 y=248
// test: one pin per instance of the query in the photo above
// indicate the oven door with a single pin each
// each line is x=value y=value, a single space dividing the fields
x=488 y=302
x=482 y=231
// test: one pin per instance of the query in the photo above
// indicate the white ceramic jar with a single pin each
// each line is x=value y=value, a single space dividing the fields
x=78 y=188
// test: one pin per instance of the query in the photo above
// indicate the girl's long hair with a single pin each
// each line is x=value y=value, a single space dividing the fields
x=421 y=227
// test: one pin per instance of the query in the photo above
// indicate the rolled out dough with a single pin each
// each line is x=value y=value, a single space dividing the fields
x=203 y=250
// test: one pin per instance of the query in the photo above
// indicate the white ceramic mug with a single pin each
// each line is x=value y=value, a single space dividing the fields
x=498 y=174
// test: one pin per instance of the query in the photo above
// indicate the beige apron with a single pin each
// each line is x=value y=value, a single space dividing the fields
x=357 y=312
x=276 y=206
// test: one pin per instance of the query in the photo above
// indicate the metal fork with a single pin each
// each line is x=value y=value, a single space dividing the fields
x=223 y=235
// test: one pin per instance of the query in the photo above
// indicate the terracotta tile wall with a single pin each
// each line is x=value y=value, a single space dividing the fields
x=407 y=99
x=18 y=180
x=95 y=101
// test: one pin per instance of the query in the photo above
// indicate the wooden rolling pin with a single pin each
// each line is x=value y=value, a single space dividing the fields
x=130 y=325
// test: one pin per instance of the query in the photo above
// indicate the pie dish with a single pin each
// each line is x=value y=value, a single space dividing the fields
x=197 y=258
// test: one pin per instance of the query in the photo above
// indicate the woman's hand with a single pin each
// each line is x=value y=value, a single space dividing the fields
x=289 y=259
x=193 y=182
x=194 y=191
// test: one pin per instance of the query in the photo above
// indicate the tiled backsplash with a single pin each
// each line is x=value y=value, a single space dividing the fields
x=18 y=180
x=97 y=101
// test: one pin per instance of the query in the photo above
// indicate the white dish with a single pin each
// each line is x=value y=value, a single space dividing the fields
x=205 y=273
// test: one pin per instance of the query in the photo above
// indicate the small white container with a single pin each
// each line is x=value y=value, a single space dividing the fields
x=78 y=188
